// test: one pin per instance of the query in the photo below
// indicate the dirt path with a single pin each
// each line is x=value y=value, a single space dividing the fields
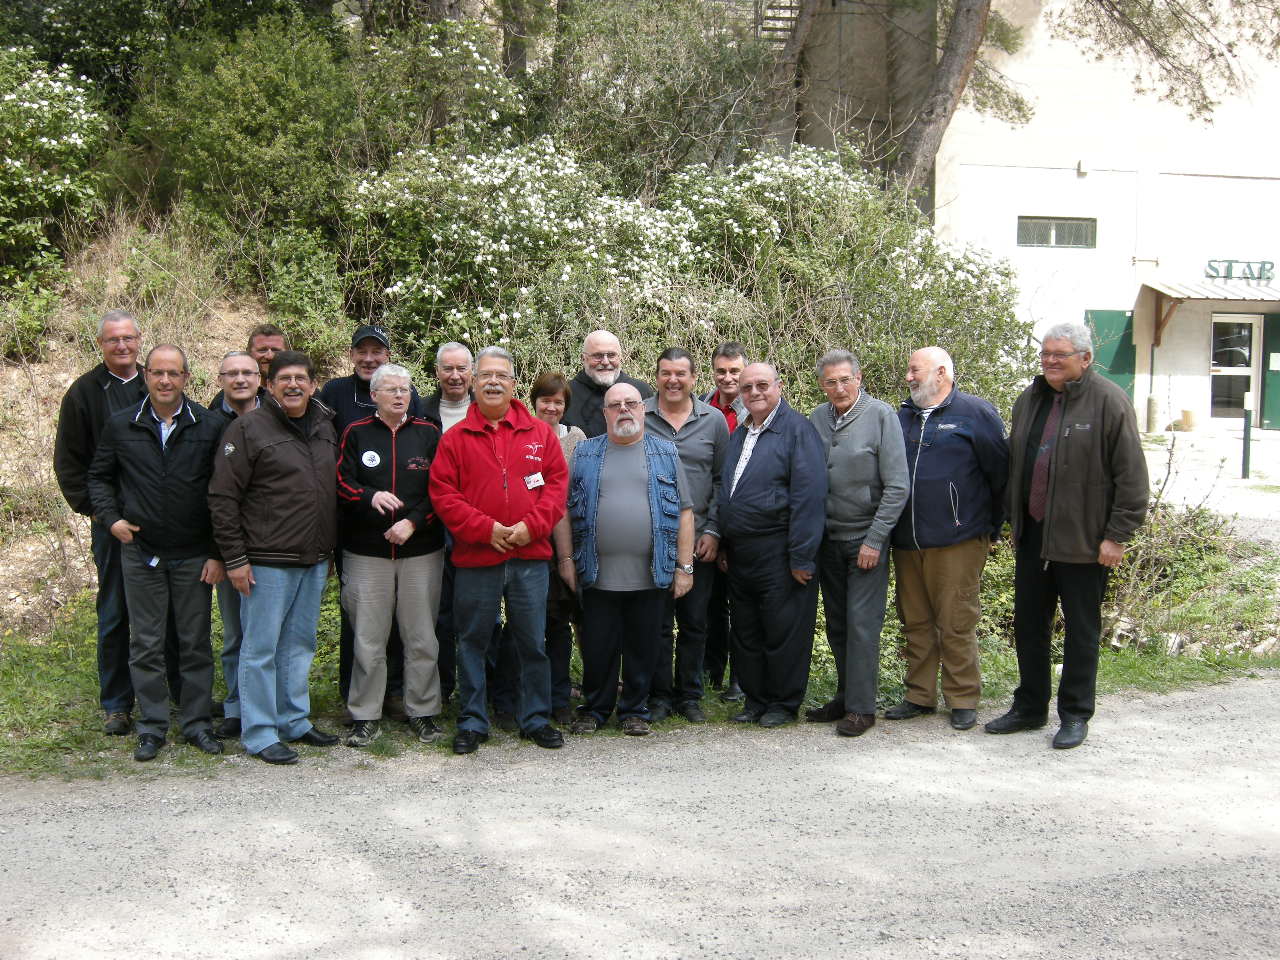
x=1159 y=838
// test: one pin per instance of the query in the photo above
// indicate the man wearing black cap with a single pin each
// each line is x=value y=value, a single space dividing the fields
x=349 y=399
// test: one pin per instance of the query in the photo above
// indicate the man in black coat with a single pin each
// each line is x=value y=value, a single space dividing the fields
x=601 y=369
x=113 y=385
x=149 y=485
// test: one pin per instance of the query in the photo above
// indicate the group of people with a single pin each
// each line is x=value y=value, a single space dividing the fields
x=472 y=530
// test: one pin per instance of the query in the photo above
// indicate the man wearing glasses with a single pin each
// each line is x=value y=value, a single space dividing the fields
x=601 y=369
x=771 y=518
x=1077 y=492
x=499 y=483
x=113 y=385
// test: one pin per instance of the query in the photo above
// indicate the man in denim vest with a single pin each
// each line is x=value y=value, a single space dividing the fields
x=627 y=557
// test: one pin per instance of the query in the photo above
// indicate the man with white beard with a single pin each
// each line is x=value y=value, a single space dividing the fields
x=628 y=558
x=601 y=369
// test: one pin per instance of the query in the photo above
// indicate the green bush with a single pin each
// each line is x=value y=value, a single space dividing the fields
x=50 y=129
x=24 y=320
x=251 y=128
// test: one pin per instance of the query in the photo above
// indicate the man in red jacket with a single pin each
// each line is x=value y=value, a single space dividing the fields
x=499 y=483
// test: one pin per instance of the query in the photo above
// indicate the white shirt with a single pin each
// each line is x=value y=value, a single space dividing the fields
x=749 y=446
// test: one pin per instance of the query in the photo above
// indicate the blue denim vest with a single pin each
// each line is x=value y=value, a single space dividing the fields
x=664 y=506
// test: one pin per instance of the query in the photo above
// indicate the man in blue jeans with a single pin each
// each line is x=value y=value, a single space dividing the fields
x=499 y=482
x=274 y=506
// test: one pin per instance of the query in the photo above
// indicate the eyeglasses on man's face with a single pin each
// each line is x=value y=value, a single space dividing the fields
x=497 y=375
x=1054 y=356
x=617 y=406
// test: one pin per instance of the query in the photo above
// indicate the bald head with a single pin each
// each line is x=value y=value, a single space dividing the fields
x=623 y=413
x=602 y=357
x=761 y=390
x=930 y=376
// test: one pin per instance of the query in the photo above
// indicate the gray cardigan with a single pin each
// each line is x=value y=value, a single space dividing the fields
x=867 y=478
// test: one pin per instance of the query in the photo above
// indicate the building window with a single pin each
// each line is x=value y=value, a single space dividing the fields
x=1057 y=232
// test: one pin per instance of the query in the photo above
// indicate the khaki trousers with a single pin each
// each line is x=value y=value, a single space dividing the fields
x=938 y=604
x=375 y=590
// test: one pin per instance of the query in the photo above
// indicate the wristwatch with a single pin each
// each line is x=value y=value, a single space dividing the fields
x=685 y=568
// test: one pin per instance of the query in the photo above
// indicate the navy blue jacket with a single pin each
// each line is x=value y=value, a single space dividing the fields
x=958 y=465
x=348 y=397
x=782 y=492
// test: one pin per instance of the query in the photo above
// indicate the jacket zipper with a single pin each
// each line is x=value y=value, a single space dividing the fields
x=393 y=482
x=915 y=465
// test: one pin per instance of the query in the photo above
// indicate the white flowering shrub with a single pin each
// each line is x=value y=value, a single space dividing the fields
x=50 y=130
x=790 y=255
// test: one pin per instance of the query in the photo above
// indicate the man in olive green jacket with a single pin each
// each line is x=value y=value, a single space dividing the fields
x=1077 y=492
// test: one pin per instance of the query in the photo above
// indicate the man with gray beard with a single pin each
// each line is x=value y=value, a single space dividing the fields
x=601 y=369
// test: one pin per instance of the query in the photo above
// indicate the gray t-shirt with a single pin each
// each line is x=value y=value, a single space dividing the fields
x=624 y=531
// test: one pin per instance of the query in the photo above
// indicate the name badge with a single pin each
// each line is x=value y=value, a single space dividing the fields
x=534 y=480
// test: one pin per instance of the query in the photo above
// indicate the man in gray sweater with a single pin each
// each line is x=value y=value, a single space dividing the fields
x=866 y=490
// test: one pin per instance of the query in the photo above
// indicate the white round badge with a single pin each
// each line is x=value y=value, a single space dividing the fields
x=370 y=458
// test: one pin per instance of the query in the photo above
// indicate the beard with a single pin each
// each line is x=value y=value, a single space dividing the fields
x=922 y=394
x=626 y=428
x=603 y=379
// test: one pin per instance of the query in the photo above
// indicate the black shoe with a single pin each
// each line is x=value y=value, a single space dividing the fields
x=219 y=711
x=545 y=736
x=1070 y=734
x=692 y=712
x=732 y=694
x=775 y=718
x=425 y=729
x=906 y=710
x=117 y=724
x=659 y=710
x=466 y=741
x=962 y=719
x=227 y=729
x=277 y=753
x=829 y=712
x=316 y=737
x=393 y=708
x=506 y=722
x=746 y=716
x=148 y=746
x=363 y=733
x=1015 y=722
x=205 y=740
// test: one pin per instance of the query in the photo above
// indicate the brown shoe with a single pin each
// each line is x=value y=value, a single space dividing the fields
x=829 y=712
x=855 y=724
x=635 y=727
x=393 y=709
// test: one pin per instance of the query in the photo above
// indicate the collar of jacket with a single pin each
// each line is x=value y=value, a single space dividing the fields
x=854 y=412
x=910 y=404
x=185 y=412
x=1071 y=389
x=517 y=417
x=104 y=376
x=585 y=380
x=776 y=412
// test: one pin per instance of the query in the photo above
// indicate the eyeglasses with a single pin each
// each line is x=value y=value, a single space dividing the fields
x=601 y=357
x=394 y=391
x=119 y=341
x=845 y=382
x=239 y=373
x=619 y=405
x=1058 y=357
x=486 y=375
x=760 y=387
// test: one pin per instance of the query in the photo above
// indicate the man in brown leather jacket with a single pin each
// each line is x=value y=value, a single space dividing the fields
x=1077 y=492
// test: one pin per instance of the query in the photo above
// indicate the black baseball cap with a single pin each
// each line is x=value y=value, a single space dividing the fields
x=371 y=331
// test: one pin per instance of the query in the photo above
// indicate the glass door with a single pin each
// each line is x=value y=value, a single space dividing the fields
x=1231 y=369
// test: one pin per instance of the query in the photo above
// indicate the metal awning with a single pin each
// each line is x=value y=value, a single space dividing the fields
x=1171 y=294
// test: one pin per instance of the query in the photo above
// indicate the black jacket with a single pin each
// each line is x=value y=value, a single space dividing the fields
x=164 y=490
x=272 y=494
x=586 y=406
x=348 y=397
x=372 y=458
x=85 y=409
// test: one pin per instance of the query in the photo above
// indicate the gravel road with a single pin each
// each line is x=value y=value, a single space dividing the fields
x=1160 y=837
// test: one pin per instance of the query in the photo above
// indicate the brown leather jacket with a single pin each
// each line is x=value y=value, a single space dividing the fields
x=1098 y=484
x=273 y=494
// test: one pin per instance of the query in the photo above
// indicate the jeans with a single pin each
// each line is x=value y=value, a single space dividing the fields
x=477 y=595
x=1037 y=589
x=279 y=618
x=854 y=600
x=229 y=610
x=619 y=628
x=690 y=613
x=170 y=592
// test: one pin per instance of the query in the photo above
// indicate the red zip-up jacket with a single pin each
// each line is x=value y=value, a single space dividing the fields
x=482 y=474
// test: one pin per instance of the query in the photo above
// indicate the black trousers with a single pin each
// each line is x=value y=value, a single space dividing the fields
x=773 y=621
x=689 y=646
x=1039 y=587
x=620 y=628
x=562 y=608
x=716 y=656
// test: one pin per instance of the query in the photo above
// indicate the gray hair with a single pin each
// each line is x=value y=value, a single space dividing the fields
x=116 y=316
x=452 y=345
x=833 y=358
x=1077 y=333
x=501 y=352
x=388 y=370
